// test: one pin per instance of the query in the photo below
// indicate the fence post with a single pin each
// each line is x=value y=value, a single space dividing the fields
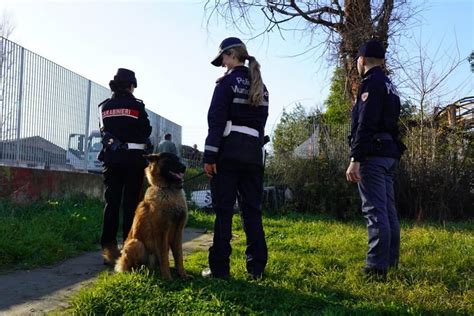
x=86 y=133
x=20 y=101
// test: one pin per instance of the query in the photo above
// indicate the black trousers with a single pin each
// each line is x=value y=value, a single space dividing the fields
x=245 y=180
x=123 y=187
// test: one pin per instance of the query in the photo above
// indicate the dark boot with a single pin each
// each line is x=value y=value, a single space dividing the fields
x=207 y=273
x=378 y=274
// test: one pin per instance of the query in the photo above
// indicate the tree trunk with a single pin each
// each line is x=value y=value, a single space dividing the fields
x=359 y=28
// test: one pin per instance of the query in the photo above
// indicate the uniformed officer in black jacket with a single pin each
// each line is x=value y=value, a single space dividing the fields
x=233 y=157
x=375 y=150
x=125 y=130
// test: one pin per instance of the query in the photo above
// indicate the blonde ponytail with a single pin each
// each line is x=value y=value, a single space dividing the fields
x=256 y=82
x=256 y=92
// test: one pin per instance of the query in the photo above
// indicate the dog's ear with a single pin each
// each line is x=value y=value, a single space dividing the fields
x=152 y=157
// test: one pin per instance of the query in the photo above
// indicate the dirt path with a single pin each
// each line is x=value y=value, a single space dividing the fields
x=45 y=289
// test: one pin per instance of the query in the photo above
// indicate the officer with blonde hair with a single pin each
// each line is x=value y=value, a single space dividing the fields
x=233 y=157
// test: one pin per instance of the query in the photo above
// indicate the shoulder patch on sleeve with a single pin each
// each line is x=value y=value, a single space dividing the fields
x=364 y=96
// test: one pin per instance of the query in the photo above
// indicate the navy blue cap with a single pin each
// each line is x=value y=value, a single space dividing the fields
x=126 y=75
x=225 y=45
x=372 y=48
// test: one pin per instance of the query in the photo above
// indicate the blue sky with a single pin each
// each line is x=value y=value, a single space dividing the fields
x=169 y=46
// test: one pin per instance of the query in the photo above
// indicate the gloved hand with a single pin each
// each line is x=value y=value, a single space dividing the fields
x=110 y=142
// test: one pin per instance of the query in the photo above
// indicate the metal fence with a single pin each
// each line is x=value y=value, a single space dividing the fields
x=324 y=139
x=49 y=115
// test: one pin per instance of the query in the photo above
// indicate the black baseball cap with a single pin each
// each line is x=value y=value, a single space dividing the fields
x=225 y=45
x=126 y=75
x=372 y=48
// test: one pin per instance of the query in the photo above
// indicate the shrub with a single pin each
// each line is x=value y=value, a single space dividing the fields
x=318 y=185
x=434 y=179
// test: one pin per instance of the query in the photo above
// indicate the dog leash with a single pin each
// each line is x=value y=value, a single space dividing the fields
x=194 y=177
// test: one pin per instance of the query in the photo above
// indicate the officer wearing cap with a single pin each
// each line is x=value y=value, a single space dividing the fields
x=125 y=130
x=233 y=157
x=375 y=150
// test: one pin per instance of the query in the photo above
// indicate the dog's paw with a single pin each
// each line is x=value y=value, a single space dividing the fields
x=119 y=268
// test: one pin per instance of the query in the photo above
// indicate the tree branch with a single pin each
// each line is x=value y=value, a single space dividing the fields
x=383 y=19
x=319 y=20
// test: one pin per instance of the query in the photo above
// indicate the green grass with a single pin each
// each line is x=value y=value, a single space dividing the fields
x=314 y=268
x=47 y=232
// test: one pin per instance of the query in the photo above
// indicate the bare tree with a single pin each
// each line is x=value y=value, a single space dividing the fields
x=438 y=161
x=425 y=78
x=6 y=25
x=346 y=24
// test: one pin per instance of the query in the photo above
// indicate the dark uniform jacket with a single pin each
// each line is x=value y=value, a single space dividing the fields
x=124 y=117
x=375 y=117
x=230 y=102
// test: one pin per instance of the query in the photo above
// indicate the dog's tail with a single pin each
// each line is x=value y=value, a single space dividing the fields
x=133 y=255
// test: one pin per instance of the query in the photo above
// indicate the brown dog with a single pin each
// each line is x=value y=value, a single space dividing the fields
x=159 y=219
